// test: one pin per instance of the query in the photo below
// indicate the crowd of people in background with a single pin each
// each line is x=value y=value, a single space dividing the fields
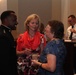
x=40 y=50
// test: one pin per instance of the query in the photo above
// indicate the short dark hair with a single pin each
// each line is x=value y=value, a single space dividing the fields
x=6 y=14
x=57 y=28
x=72 y=16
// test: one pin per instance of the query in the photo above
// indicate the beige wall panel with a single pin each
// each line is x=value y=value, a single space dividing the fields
x=13 y=5
x=27 y=7
x=56 y=9
x=73 y=7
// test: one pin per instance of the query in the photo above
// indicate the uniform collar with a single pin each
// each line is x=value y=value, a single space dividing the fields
x=6 y=28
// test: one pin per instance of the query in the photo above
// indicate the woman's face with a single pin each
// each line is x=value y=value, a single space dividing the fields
x=33 y=25
x=48 y=32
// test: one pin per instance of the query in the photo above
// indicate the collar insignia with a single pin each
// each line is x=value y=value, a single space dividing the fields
x=4 y=31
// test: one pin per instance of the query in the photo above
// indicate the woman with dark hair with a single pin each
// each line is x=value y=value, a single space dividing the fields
x=52 y=57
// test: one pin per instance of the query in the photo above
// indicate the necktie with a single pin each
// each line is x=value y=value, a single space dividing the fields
x=71 y=34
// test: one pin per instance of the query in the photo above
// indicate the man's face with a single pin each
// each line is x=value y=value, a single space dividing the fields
x=71 y=21
x=12 y=21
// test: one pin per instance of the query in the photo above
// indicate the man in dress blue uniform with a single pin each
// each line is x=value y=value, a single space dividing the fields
x=8 y=59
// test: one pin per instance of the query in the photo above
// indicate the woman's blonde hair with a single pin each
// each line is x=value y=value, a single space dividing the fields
x=29 y=18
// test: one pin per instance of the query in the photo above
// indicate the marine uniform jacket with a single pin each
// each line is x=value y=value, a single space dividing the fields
x=8 y=57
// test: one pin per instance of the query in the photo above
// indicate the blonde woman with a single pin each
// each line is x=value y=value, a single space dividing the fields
x=31 y=41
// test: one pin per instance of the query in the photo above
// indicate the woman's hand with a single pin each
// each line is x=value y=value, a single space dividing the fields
x=35 y=62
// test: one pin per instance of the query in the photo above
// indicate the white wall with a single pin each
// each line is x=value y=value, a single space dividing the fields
x=65 y=12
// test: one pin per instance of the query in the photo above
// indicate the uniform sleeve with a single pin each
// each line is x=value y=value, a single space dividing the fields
x=4 y=51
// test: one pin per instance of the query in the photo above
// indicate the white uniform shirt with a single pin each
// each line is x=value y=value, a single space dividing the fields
x=69 y=32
